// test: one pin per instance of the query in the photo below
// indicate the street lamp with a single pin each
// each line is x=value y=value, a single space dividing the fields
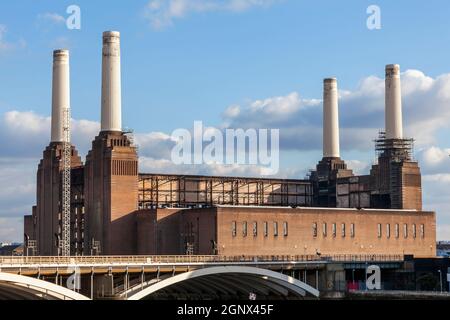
x=440 y=278
x=366 y=274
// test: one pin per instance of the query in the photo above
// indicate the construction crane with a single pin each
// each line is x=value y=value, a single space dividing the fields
x=65 y=201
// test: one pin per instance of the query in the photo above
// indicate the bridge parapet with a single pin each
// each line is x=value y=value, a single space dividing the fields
x=183 y=259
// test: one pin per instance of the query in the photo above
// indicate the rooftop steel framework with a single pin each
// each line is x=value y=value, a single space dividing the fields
x=159 y=190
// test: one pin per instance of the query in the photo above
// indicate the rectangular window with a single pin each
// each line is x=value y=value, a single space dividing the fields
x=414 y=230
x=244 y=228
x=422 y=231
x=405 y=231
x=388 y=230
x=352 y=230
x=255 y=228
x=379 y=230
x=397 y=231
x=275 y=229
x=266 y=229
x=285 y=228
x=333 y=229
x=324 y=229
x=343 y=230
x=233 y=228
x=314 y=229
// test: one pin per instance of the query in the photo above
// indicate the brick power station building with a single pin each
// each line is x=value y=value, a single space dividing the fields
x=115 y=210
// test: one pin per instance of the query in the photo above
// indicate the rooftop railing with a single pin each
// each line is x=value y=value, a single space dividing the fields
x=192 y=259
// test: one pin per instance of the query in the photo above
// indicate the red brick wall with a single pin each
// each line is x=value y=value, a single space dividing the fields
x=158 y=231
x=300 y=239
x=200 y=224
x=111 y=183
x=48 y=197
x=145 y=232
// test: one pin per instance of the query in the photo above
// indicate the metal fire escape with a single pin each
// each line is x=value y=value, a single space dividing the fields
x=67 y=156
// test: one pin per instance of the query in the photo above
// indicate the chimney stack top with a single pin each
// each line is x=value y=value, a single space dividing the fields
x=111 y=36
x=393 y=68
x=328 y=80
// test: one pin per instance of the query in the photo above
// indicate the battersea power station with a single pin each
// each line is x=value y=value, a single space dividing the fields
x=117 y=210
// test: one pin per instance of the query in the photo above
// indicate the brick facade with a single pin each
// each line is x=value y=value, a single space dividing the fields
x=239 y=230
x=48 y=198
x=111 y=183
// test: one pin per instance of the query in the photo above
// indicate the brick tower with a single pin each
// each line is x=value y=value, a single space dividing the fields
x=396 y=178
x=111 y=170
x=48 y=196
x=331 y=167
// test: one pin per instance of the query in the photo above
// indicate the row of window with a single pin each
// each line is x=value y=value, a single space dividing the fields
x=380 y=231
x=255 y=228
x=333 y=230
x=397 y=230
x=315 y=232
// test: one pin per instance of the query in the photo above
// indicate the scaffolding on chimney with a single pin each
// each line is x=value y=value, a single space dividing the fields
x=65 y=201
x=397 y=150
x=130 y=135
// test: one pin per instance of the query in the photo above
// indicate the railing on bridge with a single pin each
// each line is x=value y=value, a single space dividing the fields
x=183 y=259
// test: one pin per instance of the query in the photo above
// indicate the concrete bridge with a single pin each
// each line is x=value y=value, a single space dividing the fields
x=168 y=277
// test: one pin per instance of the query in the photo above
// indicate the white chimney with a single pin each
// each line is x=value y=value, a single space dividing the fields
x=330 y=119
x=111 y=119
x=393 y=113
x=60 y=93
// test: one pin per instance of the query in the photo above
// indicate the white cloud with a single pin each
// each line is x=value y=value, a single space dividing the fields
x=26 y=134
x=436 y=193
x=166 y=166
x=18 y=192
x=434 y=159
x=6 y=46
x=156 y=145
x=11 y=229
x=438 y=177
x=52 y=17
x=273 y=111
x=23 y=137
x=443 y=232
x=161 y=13
x=358 y=167
x=18 y=185
x=232 y=112
x=426 y=110
x=3 y=45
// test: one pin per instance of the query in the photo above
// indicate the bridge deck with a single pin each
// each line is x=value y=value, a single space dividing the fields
x=46 y=265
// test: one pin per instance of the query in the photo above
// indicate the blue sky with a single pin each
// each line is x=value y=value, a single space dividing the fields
x=195 y=61
x=206 y=61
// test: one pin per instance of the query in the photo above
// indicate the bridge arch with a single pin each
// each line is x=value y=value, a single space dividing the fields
x=231 y=279
x=13 y=286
